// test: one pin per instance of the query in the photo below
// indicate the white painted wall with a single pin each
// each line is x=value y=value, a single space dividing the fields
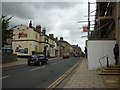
x=97 y=49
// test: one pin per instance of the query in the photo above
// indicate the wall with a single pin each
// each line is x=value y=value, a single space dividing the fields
x=29 y=33
x=25 y=44
x=98 y=49
x=8 y=58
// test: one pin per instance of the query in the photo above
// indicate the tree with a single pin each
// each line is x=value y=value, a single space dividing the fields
x=6 y=33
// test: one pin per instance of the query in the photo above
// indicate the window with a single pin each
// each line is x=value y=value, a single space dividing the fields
x=36 y=35
x=36 y=47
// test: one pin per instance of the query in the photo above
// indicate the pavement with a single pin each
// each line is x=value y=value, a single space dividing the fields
x=84 y=78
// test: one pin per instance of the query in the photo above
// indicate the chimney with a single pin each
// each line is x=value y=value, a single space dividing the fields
x=51 y=35
x=56 y=38
x=38 y=28
x=30 y=24
x=44 y=30
x=61 y=38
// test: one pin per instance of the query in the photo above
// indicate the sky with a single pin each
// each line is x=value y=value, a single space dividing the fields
x=59 y=18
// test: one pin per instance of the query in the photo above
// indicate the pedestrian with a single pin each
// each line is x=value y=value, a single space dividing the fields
x=85 y=52
x=116 y=53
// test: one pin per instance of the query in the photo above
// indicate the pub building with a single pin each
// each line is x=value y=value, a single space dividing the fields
x=29 y=40
x=26 y=40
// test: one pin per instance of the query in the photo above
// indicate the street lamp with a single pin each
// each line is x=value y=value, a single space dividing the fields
x=45 y=46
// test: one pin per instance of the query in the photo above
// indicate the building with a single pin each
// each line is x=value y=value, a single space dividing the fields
x=67 y=47
x=59 y=48
x=77 y=50
x=25 y=40
x=29 y=40
x=107 y=22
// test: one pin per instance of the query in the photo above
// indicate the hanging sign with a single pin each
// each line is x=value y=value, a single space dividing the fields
x=85 y=28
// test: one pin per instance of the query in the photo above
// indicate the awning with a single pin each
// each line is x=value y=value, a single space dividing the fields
x=7 y=48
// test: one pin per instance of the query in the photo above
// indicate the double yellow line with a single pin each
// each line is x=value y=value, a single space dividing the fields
x=54 y=84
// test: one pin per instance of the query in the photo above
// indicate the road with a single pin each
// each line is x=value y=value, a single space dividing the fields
x=36 y=76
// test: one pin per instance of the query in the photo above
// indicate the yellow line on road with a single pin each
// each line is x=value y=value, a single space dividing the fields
x=54 y=84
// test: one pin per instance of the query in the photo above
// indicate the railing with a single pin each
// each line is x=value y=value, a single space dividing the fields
x=106 y=59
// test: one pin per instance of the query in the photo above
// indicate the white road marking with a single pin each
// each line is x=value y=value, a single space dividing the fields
x=36 y=68
x=4 y=77
x=54 y=63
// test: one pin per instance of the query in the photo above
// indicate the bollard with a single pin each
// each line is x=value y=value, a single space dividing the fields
x=107 y=62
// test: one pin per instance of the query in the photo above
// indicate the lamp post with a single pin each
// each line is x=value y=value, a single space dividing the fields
x=45 y=46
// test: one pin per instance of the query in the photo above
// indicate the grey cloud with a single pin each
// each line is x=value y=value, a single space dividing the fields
x=21 y=10
x=52 y=5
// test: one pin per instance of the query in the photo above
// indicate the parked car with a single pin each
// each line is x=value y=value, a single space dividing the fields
x=76 y=55
x=37 y=59
x=66 y=55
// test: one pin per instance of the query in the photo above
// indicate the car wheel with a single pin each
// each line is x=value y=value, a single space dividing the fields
x=40 y=63
x=46 y=62
x=29 y=64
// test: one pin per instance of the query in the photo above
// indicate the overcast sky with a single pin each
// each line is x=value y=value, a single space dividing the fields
x=59 y=18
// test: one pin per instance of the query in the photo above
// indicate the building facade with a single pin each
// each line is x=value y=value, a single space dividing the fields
x=25 y=40
x=29 y=40
x=67 y=47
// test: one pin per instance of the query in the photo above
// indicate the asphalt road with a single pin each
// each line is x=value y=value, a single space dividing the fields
x=36 y=76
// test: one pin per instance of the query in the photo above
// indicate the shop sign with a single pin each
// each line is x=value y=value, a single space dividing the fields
x=25 y=51
x=22 y=35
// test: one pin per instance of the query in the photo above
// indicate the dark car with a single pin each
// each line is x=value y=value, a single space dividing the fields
x=66 y=55
x=37 y=59
x=76 y=55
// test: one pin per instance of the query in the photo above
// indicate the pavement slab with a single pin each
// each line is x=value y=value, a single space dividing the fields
x=84 y=78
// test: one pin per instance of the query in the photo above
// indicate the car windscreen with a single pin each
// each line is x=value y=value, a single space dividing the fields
x=40 y=55
x=33 y=56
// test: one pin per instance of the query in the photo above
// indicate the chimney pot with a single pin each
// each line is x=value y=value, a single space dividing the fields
x=30 y=24
x=44 y=30
x=61 y=38
x=51 y=35
x=56 y=38
x=38 y=28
